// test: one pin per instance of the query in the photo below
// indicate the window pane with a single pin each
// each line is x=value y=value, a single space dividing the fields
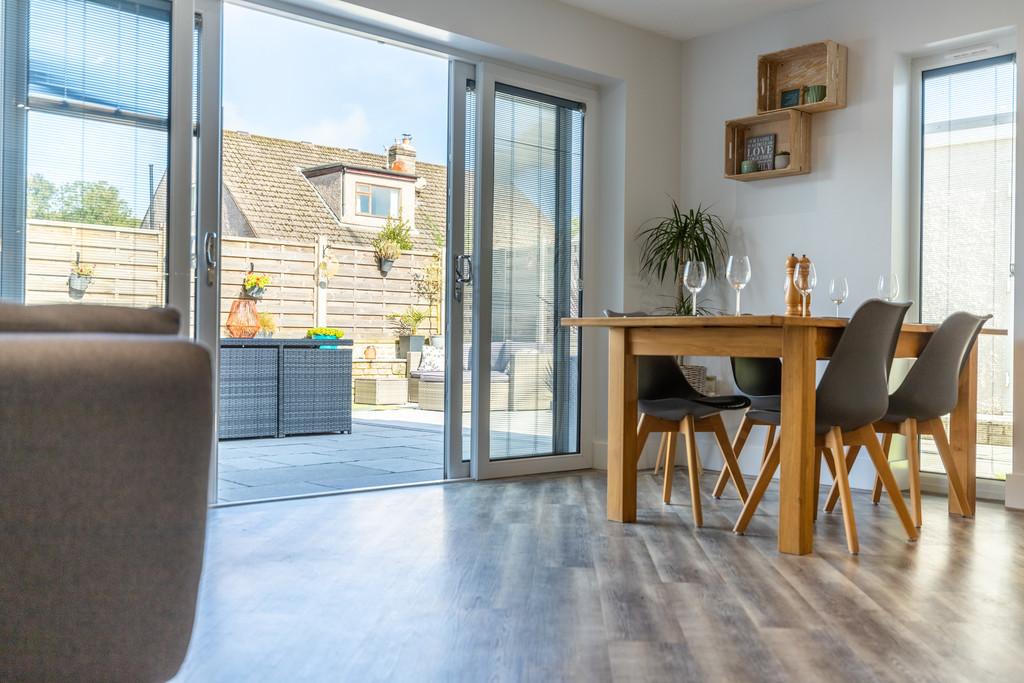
x=538 y=155
x=96 y=151
x=381 y=201
x=967 y=177
x=364 y=203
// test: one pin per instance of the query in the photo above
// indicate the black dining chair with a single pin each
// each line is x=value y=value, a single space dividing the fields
x=670 y=405
x=761 y=380
x=928 y=392
x=852 y=395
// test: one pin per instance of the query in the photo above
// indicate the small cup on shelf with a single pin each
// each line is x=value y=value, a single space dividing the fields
x=748 y=166
x=782 y=160
x=814 y=93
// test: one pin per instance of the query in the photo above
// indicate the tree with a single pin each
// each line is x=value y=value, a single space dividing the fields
x=93 y=202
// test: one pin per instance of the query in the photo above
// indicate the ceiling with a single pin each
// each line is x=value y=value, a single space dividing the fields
x=684 y=19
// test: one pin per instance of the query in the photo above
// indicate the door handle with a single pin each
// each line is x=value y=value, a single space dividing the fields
x=210 y=252
x=463 y=274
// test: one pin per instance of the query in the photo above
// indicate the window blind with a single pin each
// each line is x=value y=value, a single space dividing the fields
x=538 y=169
x=967 y=214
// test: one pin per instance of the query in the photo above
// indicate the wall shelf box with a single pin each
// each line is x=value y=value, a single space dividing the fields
x=813 y=64
x=792 y=131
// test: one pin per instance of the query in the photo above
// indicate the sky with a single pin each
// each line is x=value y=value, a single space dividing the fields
x=289 y=79
x=281 y=77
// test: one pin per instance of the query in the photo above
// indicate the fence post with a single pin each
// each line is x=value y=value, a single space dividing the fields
x=320 y=293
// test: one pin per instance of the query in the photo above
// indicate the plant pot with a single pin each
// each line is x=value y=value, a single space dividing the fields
x=255 y=292
x=409 y=342
x=437 y=341
x=385 y=265
x=370 y=352
x=77 y=284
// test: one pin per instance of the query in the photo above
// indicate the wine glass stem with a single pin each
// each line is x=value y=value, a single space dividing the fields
x=738 y=292
x=803 y=312
x=837 y=310
x=694 y=303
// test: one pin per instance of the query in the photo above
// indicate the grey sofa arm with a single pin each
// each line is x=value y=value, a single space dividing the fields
x=105 y=445
x=529 y=383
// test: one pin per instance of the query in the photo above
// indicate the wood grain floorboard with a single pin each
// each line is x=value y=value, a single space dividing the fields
x=525 y=580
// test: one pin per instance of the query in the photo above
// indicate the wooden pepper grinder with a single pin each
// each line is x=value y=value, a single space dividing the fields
x=794 y=305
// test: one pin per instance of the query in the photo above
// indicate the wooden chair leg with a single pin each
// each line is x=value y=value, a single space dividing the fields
x=731 y=464
x=693 y=469
x=876 y=490
x=769 y=441
x=833 y=493
x=938 y=434
x=662 y=447
x=764 y=478
x=909 y=430
x=737 y=447
x=818 y=455
x=643 y=431
x=670 y=468
x=867 y=436
x=834 y=443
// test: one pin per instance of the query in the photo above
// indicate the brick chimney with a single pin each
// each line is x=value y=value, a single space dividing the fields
x=402 y=155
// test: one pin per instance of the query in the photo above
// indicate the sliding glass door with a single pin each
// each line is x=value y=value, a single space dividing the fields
x=526 y=366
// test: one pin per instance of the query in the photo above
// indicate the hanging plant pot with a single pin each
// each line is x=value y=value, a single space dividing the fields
x=385 y=265
x=77 y=284
x=255 y=292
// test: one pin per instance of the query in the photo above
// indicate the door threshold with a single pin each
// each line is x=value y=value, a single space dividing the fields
x=325 y=494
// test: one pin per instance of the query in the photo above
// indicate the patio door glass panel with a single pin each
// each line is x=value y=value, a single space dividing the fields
x=967 y=215
x=538 y=168
x=86 y=139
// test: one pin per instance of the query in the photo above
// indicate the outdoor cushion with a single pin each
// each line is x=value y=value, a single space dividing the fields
x=496 y=377
x=88 y=318
x=431 y=359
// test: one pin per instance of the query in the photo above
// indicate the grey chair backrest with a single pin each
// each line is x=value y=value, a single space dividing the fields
x=854 y=390
x=658 y=376
x=757 y=376
x=930 y=388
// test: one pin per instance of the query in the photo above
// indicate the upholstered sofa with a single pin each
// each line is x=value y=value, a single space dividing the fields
x=106 y=428
x=519 y=379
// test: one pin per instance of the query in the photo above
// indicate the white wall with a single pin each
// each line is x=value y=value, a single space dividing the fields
x=850 y=215
x=638 y=76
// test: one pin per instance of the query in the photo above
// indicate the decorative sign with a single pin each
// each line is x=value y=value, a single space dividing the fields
x=789 y=98
x=761 y=148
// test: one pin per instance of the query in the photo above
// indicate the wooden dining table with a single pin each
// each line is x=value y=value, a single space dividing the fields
x=800 y=342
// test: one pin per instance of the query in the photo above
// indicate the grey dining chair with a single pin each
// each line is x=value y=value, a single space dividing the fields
x=670 y=405
x=761 y=380
x=853 y=394
x=928 y=392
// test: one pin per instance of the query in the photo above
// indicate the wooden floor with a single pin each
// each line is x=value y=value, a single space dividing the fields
x=524 y=580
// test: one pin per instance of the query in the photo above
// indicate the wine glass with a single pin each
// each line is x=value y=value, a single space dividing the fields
x=838 y=290
x=695 y=276
x=805 y=279
x=737 y=272
x=888 y=288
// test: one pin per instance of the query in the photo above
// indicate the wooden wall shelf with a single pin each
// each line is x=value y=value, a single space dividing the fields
x=822 y=63
x=792 y=131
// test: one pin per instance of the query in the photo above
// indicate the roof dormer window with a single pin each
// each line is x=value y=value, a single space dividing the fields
x=376 y=200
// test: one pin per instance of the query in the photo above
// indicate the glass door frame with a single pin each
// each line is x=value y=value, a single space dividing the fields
x=488 y=75
x=1000 y=44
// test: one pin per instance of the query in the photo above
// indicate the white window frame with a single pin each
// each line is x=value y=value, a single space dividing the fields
x=369 y=195
x=995 y=46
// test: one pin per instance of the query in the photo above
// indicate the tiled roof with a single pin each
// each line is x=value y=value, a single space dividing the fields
x=264 y=176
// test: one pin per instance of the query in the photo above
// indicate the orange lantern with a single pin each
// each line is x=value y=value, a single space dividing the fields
x=243 y=323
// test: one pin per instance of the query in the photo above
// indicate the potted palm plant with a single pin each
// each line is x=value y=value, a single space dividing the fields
x=667 y=243
x=408 y=323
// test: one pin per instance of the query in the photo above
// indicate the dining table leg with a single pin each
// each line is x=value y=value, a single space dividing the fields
x=963 y=434
x=797 y=445
x=622 y=415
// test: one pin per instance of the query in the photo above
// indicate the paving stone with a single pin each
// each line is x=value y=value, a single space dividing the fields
x=269 y=491
x=395 y=464
x=284 y=475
